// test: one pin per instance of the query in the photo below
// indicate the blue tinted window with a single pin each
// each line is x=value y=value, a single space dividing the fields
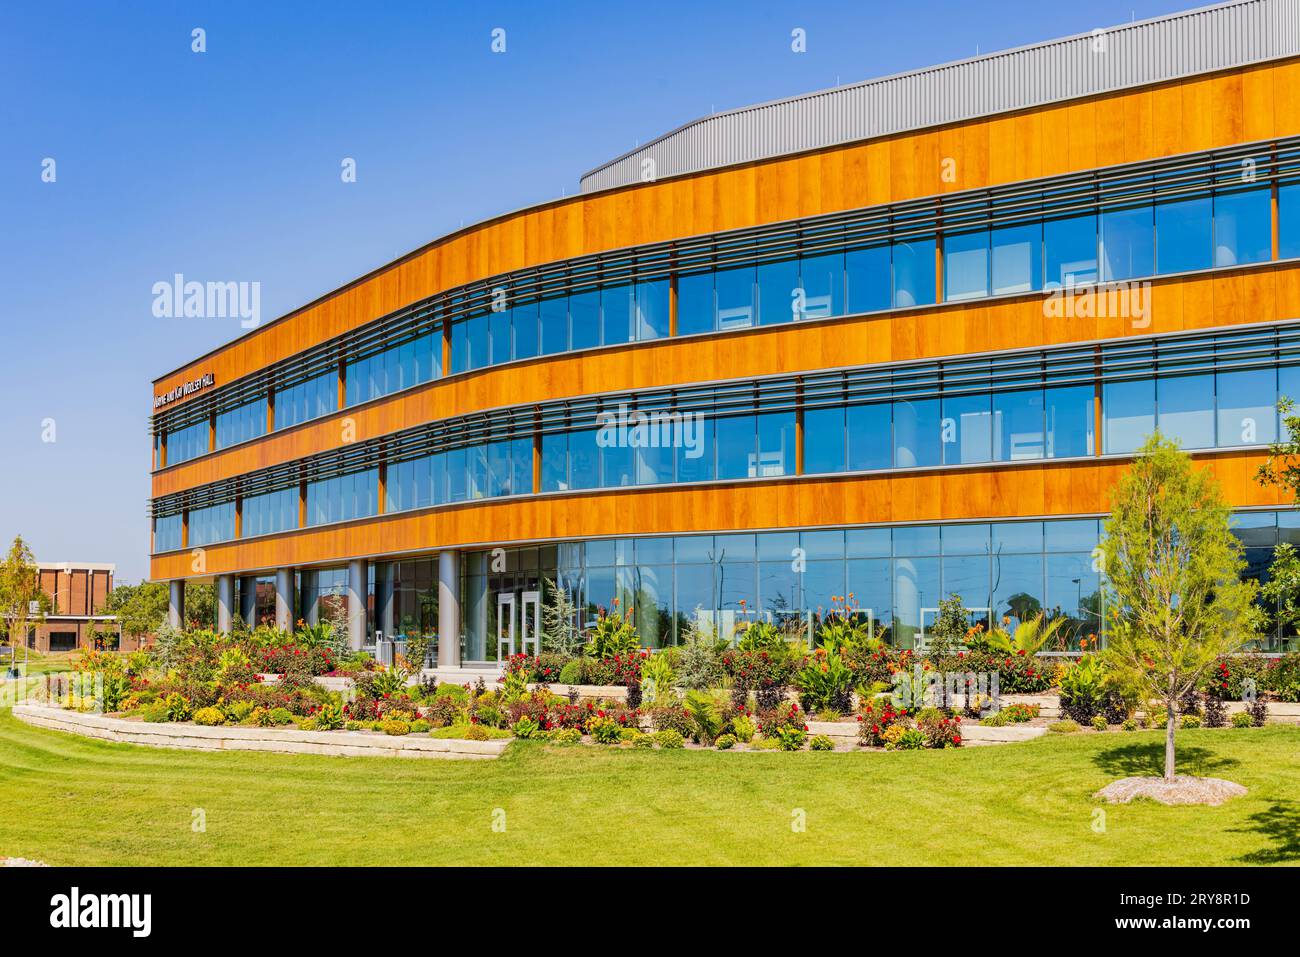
x=870 y=443
x=1070 y=251
x=1017 y=264
x=555 y=325
x=776 y=434
x=1127 y=243
x=695 y=303
x=1247 y=402
x=477 y=332
x=524 y=321
x=695 y=453
x=1071 y=421
x=1243 y=228
x=916 y=433
x=1129 y=412
x=241 y=424
x=1186 y=410
x=499 y=336
x=966 y=265
x=167 y=532
x=735 y=297
x=967 y=429
x=737 y=441
x=187 y=443
x=555 y=462
x=269 y=512
x=615 y=463
x=651 y=320
x=584 y=318
x=914 y=282
x=824 y=440
x=457 y=470
x=1018 y=425
x=1017 y=537
x=460 y=346
x=1288 y=221
x=616 y=313
x=916 y=540
x=822 y=279
x=777 y=286
x=867 y=274
x=584 y=460
x=306 y=400
x=215 y=523
x=343 y=497
x=1184 y=235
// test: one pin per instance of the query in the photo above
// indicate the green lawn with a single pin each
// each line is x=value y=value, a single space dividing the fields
x=70 y=800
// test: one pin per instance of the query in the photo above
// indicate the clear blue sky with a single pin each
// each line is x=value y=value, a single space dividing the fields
x=225 y=166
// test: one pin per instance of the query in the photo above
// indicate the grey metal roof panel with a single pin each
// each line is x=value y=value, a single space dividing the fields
x=1179 y=45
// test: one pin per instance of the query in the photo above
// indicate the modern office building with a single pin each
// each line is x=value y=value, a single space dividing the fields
x=77 y=594
x=895 y=340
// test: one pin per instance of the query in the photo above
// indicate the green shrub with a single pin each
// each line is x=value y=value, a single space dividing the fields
x=669 y=740
x=308 y=724
x=395 y=727
x=628 y=735
x=605 y=730
x=821 y=742
x=766 y=744
x=791 y=737
x=899 y=737
x=1063 y=727
x=453 y=692
x=1018 y=713
x=1130 y=724
x=571 y=673
x=329 y=717
x=567 y=736
x=209 y=717
x=420 y=726
x=825 y=682
x=178 y=709
x=281 y=716
x=1099 y=723
x=1240 y=719
x=998 y=719
x=1191 y=721
x=705 y=715
x=356 y=726
x=742 y=726
x=725 y=742
x=476 y=732
x=237 y=711
x=157 y=713
x=526 y=727
x=643 y=741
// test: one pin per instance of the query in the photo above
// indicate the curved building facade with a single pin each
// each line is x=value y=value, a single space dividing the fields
x=898 y=357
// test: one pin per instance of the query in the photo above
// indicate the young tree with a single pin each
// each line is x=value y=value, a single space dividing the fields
x=1282 y=470
x=560 y=631
x=20 y=587
x=1173 y=569
x=140 y=609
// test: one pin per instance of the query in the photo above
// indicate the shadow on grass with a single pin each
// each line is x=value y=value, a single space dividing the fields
x=1138 y=760
x=1280 y=823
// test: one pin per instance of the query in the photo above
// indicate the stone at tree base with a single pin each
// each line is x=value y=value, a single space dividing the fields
x=1183 y=789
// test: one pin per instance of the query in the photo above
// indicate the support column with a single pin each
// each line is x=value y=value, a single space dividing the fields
x=385 y=612
x=225 y=603
x=176 y=604
x=449 y=609
x=357 y=593
x=248 y=600
x=284 y=599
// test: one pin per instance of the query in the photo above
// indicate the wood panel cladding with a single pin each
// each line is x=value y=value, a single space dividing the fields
x=1242 y=105
x=1042 y=488
x=1264 y=293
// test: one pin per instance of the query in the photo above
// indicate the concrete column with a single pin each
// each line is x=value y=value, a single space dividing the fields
x=248 y=601
x=176 y=604
x=284 y=599
x=357 y=593
x=449 y=609
x=225 y=603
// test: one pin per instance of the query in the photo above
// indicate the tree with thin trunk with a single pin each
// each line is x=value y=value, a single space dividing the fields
x=22 y=603
x=1173 y=572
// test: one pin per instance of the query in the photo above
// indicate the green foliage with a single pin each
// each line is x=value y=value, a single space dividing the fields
x=1063 y=727
x=1099 y=722
x=1028 y=638
x=566 y=736
x=825 y=681
x=1083 y=687
x=155 y=713
x=329 y=717
x=821 y=742
x=742 y=726
x=526 y=727
x=705 y=714
x=613 y=634
x=1173 y=569
x=791 y=737
x=948 y=634
x=845 y=629
x=178 y=708
x=140 y=609
x=280 y=716
x=571 y=673
x=1130 y=724
x=560 y=633
x=762 y=636
x=1241 y=719
x=657 y=680
x=209 y=717
x=699 y=665
x=420 y=726
x=1190 y=721
x=725 y=742
x=395 y=727
x=899 y=737
x=605 y=730
x=644 y=742
x=668 y=739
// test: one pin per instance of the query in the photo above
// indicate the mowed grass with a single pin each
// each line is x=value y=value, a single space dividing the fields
x=70 y=800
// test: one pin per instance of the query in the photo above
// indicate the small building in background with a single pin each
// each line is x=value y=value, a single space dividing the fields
x=78 y=593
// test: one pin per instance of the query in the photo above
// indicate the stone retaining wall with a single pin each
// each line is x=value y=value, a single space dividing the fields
x=240 y=738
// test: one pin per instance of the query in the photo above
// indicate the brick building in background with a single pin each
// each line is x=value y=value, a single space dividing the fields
x=78 y=592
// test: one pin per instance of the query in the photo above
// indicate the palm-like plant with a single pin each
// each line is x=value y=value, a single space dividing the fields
x=1029 y=637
